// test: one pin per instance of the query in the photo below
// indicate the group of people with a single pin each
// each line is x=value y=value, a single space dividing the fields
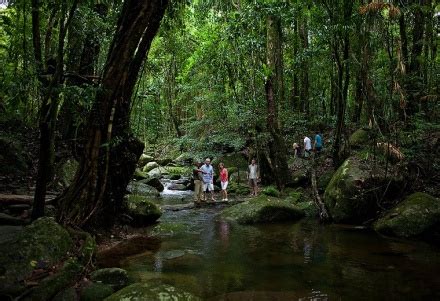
x=317 y=146
x=203 y=175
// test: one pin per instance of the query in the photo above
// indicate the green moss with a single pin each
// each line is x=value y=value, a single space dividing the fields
x=143 y=211
x=360 y=138
x=417 y=214
x=271 y=191
x=169 y=229
x=50 y=286
x=151 y=292
x=41 y=244
x=239 y=188
x=350 y=195
x=262 y=209
x=96 y=292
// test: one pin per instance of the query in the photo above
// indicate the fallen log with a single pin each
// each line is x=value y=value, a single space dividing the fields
x=15 y=199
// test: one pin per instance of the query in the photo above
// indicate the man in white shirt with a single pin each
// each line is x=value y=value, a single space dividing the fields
x=208 y=179
x=307 y=147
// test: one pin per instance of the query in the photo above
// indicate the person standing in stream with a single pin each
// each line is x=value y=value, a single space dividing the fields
x=224 y=181
x=208 y=179
x=198 y=180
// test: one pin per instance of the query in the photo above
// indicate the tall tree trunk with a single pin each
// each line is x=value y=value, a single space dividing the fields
x=111 y=152
x=277 y=148
x=304 y=92
x=49 y=106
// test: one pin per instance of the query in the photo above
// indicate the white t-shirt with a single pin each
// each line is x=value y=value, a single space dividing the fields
x=253 y=171
x=307 y=143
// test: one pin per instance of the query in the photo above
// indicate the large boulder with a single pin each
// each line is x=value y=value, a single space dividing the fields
x=417 y=215
x=95 y=292
x=353 y=192
x=151 y=292
x=360 y=138
x=184 y=159
x=262 y=209
x=140 y=188
x=299 y=172
x=150 y=166
x=142 y=211
x=40 y=245
x=153 y=182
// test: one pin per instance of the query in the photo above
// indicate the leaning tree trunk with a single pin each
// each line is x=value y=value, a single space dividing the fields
x=277 y=148
x=111 y=152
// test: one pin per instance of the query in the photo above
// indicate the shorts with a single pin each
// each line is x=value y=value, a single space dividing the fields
x=224 y=185
x=307 y=153
x=253 y=182
x=208 y=186
x=318 y=148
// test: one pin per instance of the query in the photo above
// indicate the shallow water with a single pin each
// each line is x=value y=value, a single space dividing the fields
x=304 y=261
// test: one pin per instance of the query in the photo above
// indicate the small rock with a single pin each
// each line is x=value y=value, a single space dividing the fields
x=115 y=277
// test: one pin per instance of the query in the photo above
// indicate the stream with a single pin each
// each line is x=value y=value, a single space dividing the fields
x=216 y=260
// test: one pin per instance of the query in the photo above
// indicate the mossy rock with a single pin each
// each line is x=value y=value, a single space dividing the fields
x=143 y=211
x=417 y=215
x=262 y=209
x=360 y=138
x=96 y=292
x=151 y=292
x=303 y=202
x=115 y=277
x=144 y=159
x=185 y=159
x=271 y=191
x=39 y=245
x=140 y=175
x=53 y=284
x=169 y=229
x=140 y=188
x=324 y=180
x=351 y=195
x=160 y=171
x=150 y=166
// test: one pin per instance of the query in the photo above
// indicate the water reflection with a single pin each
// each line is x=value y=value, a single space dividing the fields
x=304 y=261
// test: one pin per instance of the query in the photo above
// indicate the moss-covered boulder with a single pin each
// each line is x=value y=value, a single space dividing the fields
x=299 y=172
x=360 y=138
x=142 y=211
x=115 y=277
x=271 y=191
x=140 y=175
x=96 y=292
x=150 y=166
x=262 y=209
x=140 y=188
x=324 y=179
x=151 y=292
x=417 y=215
x=352 y=194
x=144 y=159
x=39 y=245
x=153 y=182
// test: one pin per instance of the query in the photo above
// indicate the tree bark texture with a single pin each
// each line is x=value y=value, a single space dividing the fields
x=111 y=152
x=277 y=148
